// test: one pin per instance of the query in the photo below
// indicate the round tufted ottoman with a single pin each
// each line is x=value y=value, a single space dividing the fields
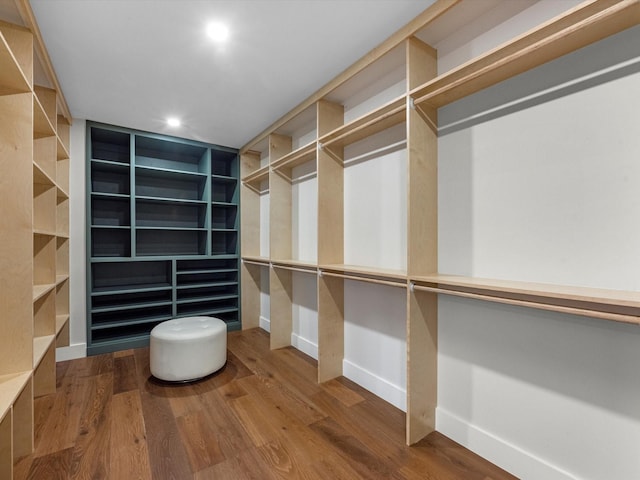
x=189 y=348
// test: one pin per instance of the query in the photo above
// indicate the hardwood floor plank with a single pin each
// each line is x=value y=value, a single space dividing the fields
x=251 y=415
x=62 y=426
x=200 y=441
x=232 y=437
x=91 y=453
x=246 y=465
x=282 y=398
x=281 y=461
x=339 y=391
x=53 y=466
x=124 y=374
x=129 y=453
x=359 y=457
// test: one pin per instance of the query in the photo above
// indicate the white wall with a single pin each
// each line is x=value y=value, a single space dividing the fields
x=77 y=247
x=539 y=180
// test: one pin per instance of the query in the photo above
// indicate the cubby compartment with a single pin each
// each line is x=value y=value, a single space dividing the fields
x=374 y=86
x=44 y=208
x=141 y=298
x=206 y=307
x=110 y=145
x=224 y=164
x=224 y=190
x=44 y=155
x=62 y=174
x=169 y=185
x=170 y=214
x=62 y=256
x=208 y=278
x=120 y=276
x=170 y=155
x=62 y=215
x=218 y=292
x=44 y=259
x=109 y=333
x=62 y=305
x=110 y=178
x=224 y=216
x=110 y=242
x=158 y=242
x=224 y=242
x=44 y=315
x=110 y=211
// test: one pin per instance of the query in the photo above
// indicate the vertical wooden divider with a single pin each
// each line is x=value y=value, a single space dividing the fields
x=330 y=245
x=250 y=243
x=422 y=248
x=280 y=245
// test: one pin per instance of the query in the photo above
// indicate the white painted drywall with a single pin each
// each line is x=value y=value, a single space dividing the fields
x=77 y=247
x=538 y=180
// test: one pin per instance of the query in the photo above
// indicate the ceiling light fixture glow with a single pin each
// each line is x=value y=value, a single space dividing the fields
x=173 y=122
x=218 y=32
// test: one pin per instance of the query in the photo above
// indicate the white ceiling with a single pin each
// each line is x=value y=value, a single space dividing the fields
x=133 y=63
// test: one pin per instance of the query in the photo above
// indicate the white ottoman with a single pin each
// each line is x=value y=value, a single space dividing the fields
x=189 y=348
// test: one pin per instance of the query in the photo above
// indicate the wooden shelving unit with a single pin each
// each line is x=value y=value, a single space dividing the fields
x=35 y=252
x=270 y=159
x=163 y=232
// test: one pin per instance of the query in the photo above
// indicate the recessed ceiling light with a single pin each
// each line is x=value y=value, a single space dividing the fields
x=218 y=32
x=173 y=122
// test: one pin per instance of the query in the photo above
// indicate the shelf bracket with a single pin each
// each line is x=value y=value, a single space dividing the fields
x=429 y=116
x=330 y=152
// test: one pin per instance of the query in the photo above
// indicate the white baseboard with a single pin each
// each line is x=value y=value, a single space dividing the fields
x=384 y=389
x=78 y=350
x=304 y=345
x=507 y=456
x=265 y=324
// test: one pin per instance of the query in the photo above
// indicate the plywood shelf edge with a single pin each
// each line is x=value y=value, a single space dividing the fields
x=380 y=119
x=40 y=347
x=10 y=387
x=615 y=305
x=585 y=24
x=295 y=158
x=12 y=78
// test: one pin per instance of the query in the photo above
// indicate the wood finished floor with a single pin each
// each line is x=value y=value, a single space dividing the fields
x=263 y=416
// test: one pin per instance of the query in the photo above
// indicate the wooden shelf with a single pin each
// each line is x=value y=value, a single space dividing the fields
x=384 y=276
x=254 y=180
x=578 y=27
x=300 y=156
x=296 y=266
x=10 y=387
x=41 y=177
x=40 y=347
x=256 y=260
x=384 y=117
x=41 y=125
x=12 y=79
x=616 y=305
x=61 y=320
x=41 y=290
x=61 y=150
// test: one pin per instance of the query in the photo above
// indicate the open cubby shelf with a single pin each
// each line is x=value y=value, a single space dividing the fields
x=163 y=217
x=35 y=216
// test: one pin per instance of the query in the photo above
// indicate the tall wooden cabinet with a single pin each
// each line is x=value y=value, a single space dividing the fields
x=389 y=98
x=34 y=260
x=162 y=234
